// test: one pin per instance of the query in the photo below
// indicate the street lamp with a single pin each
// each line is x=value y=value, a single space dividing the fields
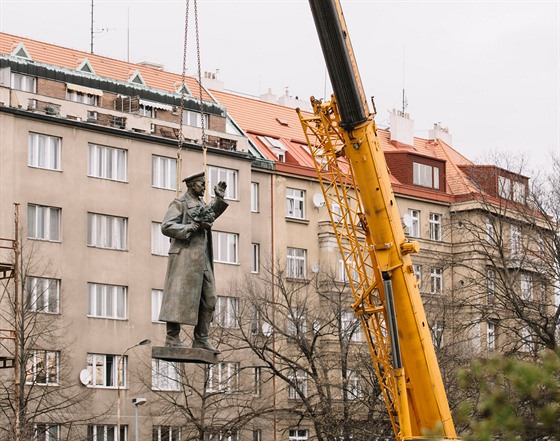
x=137 y=402
x=119 y=369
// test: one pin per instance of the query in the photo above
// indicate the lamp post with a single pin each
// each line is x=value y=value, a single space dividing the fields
x=119 y=369
x=137 y=402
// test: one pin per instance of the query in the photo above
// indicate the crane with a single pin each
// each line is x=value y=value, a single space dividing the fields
x=355 y=179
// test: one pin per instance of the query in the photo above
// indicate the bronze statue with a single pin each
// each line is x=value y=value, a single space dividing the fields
x=189 y=292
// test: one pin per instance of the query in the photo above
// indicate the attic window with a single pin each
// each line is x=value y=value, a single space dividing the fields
x=21 y=51
x=183 y=90
x=273 y=143
x=511 y=189
x=425 y=175
x=282 y=122
x=136 y=78
x=86 y=67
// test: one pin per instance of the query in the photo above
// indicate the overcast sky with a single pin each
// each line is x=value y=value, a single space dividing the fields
x=487 y=70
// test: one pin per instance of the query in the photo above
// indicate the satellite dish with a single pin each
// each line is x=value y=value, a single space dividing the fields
x=407 y=220
x=85 y=377
x=315 y=268
x=318 y=200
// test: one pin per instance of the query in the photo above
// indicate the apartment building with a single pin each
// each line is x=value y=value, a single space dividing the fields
x=89 y=150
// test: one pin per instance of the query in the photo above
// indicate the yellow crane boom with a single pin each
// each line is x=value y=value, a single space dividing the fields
x=354 y=176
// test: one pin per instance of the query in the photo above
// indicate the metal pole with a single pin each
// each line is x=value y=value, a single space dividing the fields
x=136 y=418
x=17 y=333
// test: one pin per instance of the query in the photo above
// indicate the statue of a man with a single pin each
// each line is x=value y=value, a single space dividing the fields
x=189 y=292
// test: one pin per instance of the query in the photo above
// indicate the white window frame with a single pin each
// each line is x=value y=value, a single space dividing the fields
x=519 y=192
x=107 y=301
x=489 y=228
x=43 y=295
x=229 y=176
x=166 y=433
x=225 y=247
x=223 y=377
x=255 y=197
x=295 y=203
x=298 y=435
x=160 y=242
x=106 y=231
x=526 y=287
x=106 y=432
x=423 y=175
x=504 y=187
x=44 y=151
x=297 y=318
x=490 y=336
x=435 y=227
x=43 y=368
x=350 y=327
x=157 y=297
x=255 y=258
x=43 y=222
x=437 y=334
x=25 y=83
x=436 y=281
x=515 y=240
x=104 y=370
x=106 y=162
x=165 y=375
x=81 y=97
x=418 y=273
x=299 y=378
x=257 y=381
x=490 y=285
x=227 y=310
x=296 y=263
x=414 y=230
x=164 y=172
x=193 y=119
x=46 y=432
x=353 y=388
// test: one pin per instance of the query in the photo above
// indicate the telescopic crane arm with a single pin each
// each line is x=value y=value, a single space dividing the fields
x=353 y=174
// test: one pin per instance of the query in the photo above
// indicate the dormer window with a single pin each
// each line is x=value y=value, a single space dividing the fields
x=425 y=175
x=275 y=145
x=511 y=189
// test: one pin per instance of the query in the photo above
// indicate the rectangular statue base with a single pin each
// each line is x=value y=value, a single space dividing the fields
x=184 y=355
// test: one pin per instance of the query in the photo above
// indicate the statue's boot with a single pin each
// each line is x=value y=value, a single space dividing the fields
x=172 y=339
x=201 y=339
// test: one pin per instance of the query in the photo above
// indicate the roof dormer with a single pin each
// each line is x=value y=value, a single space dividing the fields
x=21 y=51
x=136 y=78
x=85 y=66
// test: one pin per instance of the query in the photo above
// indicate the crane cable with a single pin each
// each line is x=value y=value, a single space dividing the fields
x=180 y=137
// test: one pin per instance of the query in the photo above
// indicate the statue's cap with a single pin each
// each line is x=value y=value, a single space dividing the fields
x=195 y=177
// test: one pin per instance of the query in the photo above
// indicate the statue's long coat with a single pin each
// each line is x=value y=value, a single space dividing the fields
x=187 y=262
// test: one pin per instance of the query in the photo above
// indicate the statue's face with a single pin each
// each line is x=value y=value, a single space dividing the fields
x=198 y=187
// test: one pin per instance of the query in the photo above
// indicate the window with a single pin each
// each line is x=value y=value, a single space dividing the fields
x=350 y=326
x=526 y=285
x=225 y=246
x=148 y=111
x=275 y=145
x=217 y=174
x=519 y=192
x=103 y=432
x=296 y=263
x=229 y=435
x=298 y=435
x=24 y=83
x=295 y=200
x=106 y=370
x=107 y=231
x=106 y=301
x=436 y=281
x=489 y=227
x=515 y=240
x=254 y=197
x=256 y=381
x=160 y=242
x=107 y=162
x=425 y=175
x=194 y=119
x=165 y=375
x=223 y=377
x=164 y=172
x=527 y=340
x=157 y=296
x=437 y=334
x=490 y=285
x=43 y=223
x=418 y=274
x=435 y=226
x=46 y=432
x=296 y=324
x=255 y=257
x=42 y=294
x=42 y=368
x=226 y=312
x=44 y=151
x=257 y=435
x=504 y=187
x=353 y=387
x=81 y=97
x=166 y=433
x=414 y=230
x=490 y=336
x=297 y=384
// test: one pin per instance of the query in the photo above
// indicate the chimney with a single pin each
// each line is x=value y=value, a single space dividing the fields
x=269 y=97
x=401 y=128
x=152 y=64
x=442 y=133
x=211 y=80
x=289 y=101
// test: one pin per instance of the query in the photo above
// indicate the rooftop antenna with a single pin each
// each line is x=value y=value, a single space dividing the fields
x=91 y=36
x=404 y=101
